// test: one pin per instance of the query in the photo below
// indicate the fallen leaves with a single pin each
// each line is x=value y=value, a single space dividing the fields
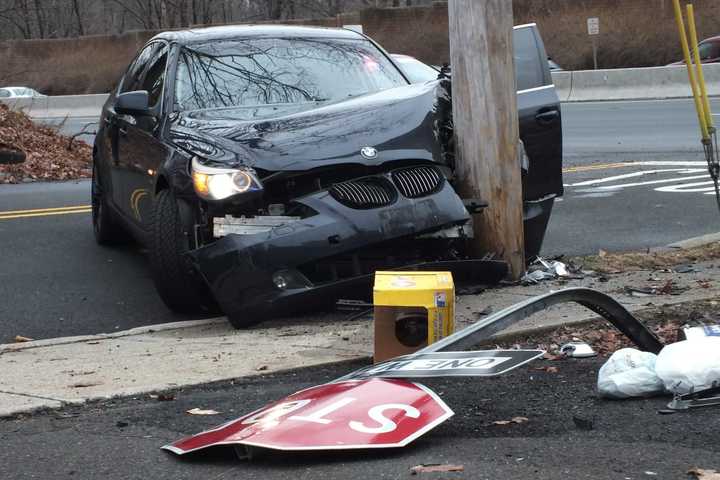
x=200 y=411
x=47 y=153
x=547 y=369
x=702 y=474
x=21 y=339
x=516 y=420
x=436 y=468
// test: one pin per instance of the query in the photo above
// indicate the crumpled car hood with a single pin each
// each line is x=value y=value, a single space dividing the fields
x=400 y=123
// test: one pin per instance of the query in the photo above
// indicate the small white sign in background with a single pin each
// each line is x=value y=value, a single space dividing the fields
x=593 y=25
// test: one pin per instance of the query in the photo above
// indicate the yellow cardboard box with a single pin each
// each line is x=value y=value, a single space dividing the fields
x=412 y=310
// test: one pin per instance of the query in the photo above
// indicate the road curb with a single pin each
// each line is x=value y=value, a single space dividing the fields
x=695 y=242
x=162 y=327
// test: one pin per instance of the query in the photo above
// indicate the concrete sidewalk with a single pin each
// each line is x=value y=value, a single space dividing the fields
x=53 y=373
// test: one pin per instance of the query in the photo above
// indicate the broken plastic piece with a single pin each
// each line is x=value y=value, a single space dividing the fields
x=577 y=350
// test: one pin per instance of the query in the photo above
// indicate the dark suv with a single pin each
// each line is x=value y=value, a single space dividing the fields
x=272 y=168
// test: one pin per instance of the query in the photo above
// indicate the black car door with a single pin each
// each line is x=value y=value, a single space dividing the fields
x=116 y=127
x=539 y=113
x=141 y=149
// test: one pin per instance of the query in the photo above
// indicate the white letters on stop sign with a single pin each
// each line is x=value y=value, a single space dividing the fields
x=386 y=425
x=271 y=416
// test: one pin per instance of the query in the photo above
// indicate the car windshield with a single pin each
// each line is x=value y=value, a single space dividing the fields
x=276 y=71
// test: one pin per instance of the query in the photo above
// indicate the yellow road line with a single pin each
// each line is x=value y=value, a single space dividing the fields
x=3 y=216
x=39 y=210
x=602 y=166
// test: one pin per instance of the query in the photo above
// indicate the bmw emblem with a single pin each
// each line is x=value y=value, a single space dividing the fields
x=368 y=152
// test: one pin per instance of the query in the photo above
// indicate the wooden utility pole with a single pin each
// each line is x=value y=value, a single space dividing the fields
x=486 y=124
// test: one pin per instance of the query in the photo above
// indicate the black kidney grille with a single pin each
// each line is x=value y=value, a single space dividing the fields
x=364 y=193
x=416 y=182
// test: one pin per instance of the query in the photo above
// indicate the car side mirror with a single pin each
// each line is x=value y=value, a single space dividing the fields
x=133 y=103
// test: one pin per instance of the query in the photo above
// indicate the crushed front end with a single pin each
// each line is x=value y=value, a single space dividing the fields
x=330 y=195
x=327 y=244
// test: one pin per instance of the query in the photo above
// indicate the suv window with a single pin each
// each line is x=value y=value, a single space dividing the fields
x=528 y=69
x=131 y=80
x=4 y=93
x=155 y=77
x=708 y=50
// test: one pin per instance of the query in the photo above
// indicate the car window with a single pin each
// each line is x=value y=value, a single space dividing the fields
x=4 y=93
x=131 y=80
x=273 y=71
x=415 y=70
x=707 y=50
x=528 y=70
x=155 y=77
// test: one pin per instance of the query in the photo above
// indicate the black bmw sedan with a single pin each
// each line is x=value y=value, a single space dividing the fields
x=271 y=169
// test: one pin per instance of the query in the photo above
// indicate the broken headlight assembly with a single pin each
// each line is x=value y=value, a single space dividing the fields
x=222 y=183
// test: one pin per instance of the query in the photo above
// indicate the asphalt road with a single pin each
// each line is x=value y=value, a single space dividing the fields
x=121 y=439
x=57 y=282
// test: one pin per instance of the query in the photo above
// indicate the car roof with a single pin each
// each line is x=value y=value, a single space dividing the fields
x=201 y=35
x=711 y=39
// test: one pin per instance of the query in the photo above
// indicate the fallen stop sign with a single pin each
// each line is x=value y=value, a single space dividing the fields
x=374 y=413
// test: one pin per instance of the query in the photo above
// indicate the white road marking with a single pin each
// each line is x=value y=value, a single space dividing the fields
x=677 y=177
x=687 y=187
x=632 y=175
x=652 y=182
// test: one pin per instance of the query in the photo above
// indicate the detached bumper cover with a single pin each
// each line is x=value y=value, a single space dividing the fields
x=239 y=268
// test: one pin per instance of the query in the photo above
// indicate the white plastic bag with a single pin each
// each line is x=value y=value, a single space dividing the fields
x=629 y=373
x=690 y=365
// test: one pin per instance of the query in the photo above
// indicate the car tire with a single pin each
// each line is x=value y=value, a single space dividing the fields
x=106 y=225
x=176 y=281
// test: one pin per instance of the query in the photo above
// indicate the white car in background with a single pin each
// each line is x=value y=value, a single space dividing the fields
x=415 y=70
x=19 y=92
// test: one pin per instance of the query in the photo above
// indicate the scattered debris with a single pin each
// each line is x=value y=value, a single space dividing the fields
x=690 y=365
x=629 y=373
x=542 y=269
x=606 y=262
x=547 y=369
x=163 y=397
x=85 y=384
x=485 y=311
x=684 y=269
x=583 y=423
x=200 y=411
x=47 y=154
x=670 y=287
x=577 y=350
x=702 y=474
x=435 y=468
x=21 y=339
x=517 y=420
x=701 y=398
x=262 y=368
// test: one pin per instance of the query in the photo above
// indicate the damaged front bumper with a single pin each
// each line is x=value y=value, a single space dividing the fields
x=287 y=264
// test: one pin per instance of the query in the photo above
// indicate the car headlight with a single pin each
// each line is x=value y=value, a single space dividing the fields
x=220 y=183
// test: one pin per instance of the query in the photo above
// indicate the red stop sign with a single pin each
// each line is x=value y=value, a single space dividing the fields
x=372 y=413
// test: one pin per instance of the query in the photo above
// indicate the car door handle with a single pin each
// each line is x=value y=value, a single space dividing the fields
x=545 y=118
